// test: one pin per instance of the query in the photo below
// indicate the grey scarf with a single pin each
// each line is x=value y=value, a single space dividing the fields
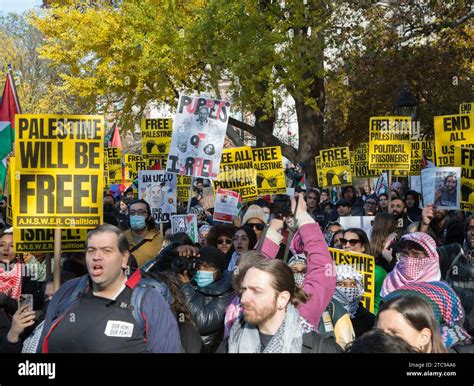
x=245 y=338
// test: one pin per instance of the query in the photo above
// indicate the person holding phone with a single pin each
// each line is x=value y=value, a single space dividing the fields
x=23 y=318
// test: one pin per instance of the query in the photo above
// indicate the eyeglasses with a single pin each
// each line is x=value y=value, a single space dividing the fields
x=140 y=212
x=352 y=242
x=258 y=227
x=225 y=241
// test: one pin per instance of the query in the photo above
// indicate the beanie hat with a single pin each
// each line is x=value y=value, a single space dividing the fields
x=254 y=211
x=213 y=256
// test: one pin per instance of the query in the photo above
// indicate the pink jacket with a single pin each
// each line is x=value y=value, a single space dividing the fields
x=320 y=279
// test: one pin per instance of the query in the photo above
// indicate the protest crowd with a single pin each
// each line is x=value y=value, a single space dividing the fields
x=189 y=256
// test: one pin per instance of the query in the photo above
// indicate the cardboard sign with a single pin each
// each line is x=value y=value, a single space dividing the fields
x=464 y=158
x=390 y=143
x=183 y=186
x=361 y=222
x=335 y=166
x=466 y=108
x=270 y=175
x=133 y=164
x=360 y=162
x=237 y=173
x=207 y=201
x=186 y=223
x=198 y=137
x=319 y=174
x=418 y=149
x=156 y=137
x=158 y=188
x=441 y=186
x=58 y=178
x=365 y=264
x=42 y=240
x=226 y=206
x=452 y=131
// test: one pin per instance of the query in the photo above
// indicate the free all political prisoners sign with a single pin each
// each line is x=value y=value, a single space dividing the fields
x=389 y=143
x=58 y=171
x=198 y=137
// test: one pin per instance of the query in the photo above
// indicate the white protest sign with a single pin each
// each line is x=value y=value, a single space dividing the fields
x=441 y=186
x=186 y=223
x=158 y=188
x=226 y=206
x=361 y=222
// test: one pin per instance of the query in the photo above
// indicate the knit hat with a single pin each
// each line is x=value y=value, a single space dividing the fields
x=213 y=256
x=254 y=211
x=446 y=306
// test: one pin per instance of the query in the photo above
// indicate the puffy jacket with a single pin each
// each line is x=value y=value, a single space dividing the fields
x=207 y=307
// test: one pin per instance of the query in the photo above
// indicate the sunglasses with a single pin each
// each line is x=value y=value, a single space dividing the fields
x=352 y=242
x=258 y=227
x=226 y=241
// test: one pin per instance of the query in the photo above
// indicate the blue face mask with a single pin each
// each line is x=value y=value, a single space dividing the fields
x=137 y=223
x=204 y=278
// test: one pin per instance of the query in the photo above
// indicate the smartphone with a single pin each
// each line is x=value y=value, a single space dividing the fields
x=26 y=299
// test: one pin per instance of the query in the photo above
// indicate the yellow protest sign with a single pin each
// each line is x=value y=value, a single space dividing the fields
x=236 y=173
x=114 y=155
x=106 y=169
x=452 y=131
x=319 y=175
x=156 y=137
x=365 y=264
x=42 y=240
x=466 y=108
x=336 y=166
x=270 y=175
x=133 y=163
x=389 y=143
x=464 y=157
x=418 y=149
x=58 y=173
x=360 y=162
x=183 y=186
x=10 y=187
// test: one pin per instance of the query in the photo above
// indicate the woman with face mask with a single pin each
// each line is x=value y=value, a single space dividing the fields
x=144 y=239
x=349 y=291
x=208 y=293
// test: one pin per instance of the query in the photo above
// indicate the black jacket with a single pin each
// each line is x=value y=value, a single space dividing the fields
x=363 y=321
x=207 y=306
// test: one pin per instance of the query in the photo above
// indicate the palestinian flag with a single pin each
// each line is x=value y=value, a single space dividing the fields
x=6 y=147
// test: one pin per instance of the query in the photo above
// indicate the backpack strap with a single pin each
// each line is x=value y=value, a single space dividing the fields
x=81 y=285
x=136 y=246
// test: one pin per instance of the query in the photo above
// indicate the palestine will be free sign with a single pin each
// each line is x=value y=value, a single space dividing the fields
x=59 y=166
x=390 y=143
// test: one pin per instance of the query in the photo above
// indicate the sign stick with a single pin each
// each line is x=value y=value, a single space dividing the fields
x=389 y=189
x=190 y=194
x=57 y=259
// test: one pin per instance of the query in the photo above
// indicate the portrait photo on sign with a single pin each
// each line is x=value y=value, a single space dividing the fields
x=158 y=188
x=447 y=189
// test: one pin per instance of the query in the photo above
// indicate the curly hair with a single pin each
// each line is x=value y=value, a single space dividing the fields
x=219 y=230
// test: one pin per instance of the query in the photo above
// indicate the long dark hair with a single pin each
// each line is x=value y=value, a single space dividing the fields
x=363 y=239
x=384 y=224
x=419 y=314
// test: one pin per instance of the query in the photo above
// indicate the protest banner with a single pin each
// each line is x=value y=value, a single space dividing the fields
x=418 y=150
x=158 y=188
x=390 y=143
x=441 y=186
x=361 y=222
x=415 y=184
x=360 y=162
x=270 y=175
x=198 y=137
x=183 y=184
x=156 y=137
x=58 y=173
x=466 y=108
x=10 y=187
x=319 y=175
x=464 y=158
x=381 y=184
x=336 y=166
x=114 y=162
x=452 y=131
x=208 y=199
x=106 y=169
x=42 y=240
x=364 y=264
x=186 y=223
x=236 y=173
x=133 y=163
x=226 y=206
